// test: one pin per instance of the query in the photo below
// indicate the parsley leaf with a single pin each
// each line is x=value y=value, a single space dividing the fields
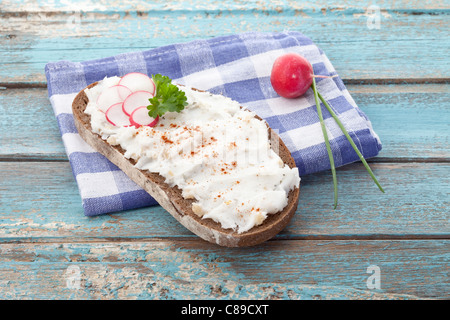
x=168 y=97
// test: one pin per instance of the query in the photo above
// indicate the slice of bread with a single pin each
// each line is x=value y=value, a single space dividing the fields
x=170 y=198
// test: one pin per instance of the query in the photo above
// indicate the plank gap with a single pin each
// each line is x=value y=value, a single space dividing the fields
x=407 y=160
x=26 y=158
x=381 y=160
x=368 y=81
x=193 y=238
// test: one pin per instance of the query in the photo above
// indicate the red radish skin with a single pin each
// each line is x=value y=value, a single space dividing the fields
x=140 y=117
x=116 y=116
x=136 y=81
x=135 y=100
x=112 y=95
x=291 y=76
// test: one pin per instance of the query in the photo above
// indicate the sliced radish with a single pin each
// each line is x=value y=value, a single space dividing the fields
x=140 y=117
x=135 y=100
x=138 y=82
x=116 y=116
x=112 y=95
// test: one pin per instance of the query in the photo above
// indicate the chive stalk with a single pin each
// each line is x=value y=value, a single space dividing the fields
x=341 y=126
x=327 y=142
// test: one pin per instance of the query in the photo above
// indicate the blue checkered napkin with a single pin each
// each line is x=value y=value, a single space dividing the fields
x=237 y=66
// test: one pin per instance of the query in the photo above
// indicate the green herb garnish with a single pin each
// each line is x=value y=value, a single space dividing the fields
x=168 y=97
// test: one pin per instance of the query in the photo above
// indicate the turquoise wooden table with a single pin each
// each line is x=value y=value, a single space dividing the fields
x=393 y=57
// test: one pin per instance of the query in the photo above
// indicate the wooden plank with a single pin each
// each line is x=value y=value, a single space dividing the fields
x=144 y=254
x=411 y=121
x=425 y=6
x=29 y=39
x=195 y=269
x=40 y=202
x=28 y=125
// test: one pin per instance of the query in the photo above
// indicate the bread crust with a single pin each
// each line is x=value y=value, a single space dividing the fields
x=170 y=198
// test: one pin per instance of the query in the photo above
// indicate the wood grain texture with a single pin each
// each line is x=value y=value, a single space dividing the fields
x=414 y=206
x=143 y=5
x=185 y=269
x=89 y=31
x=28 y=126
x=398 y=74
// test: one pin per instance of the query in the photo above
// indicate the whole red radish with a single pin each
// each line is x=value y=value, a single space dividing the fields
x=291 y=75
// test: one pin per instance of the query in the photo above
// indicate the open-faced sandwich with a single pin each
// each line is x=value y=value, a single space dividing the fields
x=212 y=164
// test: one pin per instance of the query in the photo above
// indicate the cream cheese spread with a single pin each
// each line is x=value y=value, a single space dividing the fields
x=216 y=152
